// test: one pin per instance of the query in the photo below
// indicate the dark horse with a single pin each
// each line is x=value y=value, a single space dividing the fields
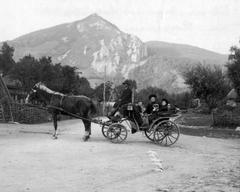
x=58 y=103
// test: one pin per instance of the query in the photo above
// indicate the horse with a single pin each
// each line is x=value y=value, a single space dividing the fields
x=58 y=103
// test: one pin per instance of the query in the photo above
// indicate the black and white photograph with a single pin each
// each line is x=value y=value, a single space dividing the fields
x=120 y=96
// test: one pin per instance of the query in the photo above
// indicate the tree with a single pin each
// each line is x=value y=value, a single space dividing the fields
x=208 y=83
x=27 y=72
x=6 y=59
x=98 y=91
x=181 y=100
x=84 y=87
x=70 y=79
x=233 y=67
x=50 y=74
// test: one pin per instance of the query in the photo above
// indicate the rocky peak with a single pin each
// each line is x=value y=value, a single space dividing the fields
x=92 y=44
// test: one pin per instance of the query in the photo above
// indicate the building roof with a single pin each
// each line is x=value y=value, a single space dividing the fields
x=232 y=94
x=11 y=83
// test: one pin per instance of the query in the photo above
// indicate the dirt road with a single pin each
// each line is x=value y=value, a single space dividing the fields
x=33 y=162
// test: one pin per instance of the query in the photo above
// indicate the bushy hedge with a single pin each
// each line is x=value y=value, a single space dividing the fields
x=227 y=116
x=24 y=114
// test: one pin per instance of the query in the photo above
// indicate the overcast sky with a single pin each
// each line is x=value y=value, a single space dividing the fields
x=209 y=24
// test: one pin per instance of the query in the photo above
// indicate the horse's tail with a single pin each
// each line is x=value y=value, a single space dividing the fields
x=93 y=109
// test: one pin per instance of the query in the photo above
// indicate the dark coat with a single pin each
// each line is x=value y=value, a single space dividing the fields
x=149 y=107
x=126 y=97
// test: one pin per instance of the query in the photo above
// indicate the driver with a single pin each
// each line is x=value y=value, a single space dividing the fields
x=125 y=98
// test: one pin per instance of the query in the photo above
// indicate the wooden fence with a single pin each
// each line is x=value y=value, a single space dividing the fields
x=22 y=113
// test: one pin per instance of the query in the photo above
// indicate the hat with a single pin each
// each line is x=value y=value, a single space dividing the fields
x=126 y=82
x=152 y=95
x=165 y=100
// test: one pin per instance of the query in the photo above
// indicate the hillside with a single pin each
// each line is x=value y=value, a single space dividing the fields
x=166 y=62
x=185 y=51
x=163 y=72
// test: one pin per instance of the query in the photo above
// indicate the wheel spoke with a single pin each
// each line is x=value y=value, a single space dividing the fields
x=166 y=140
x=172 y=137
x=151 y=133
x=161 y=140
x=169 y=139
x=161 y=135
x=120 y=137
x=166 y=133
x=117 y=133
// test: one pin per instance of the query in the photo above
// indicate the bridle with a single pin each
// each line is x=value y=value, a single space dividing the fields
x=38 y=95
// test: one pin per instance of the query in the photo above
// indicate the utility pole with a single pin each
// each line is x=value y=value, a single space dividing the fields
x=104 y=89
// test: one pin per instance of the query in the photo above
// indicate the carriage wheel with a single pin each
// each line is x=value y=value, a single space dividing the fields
x=106 y=126
x=166 y=133
x=149 y=133
x=104 y=130
x=117 y=133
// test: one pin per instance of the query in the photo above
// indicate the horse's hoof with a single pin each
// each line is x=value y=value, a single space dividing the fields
x=54 y=137
x=85 y=138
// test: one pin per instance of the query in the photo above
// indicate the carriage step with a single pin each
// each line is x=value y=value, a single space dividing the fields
x=143 y=128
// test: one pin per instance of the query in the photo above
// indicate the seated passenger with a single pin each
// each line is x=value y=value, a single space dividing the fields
x=150 y=106
x=164 y=105
x=140 y=106
x=151 y=110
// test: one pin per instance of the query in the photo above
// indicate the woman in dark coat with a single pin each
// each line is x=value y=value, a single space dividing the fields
x=164 y=105
x=149 y=108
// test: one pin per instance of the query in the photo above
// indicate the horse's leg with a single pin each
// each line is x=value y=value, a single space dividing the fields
x=55 y=133
x=87 y=125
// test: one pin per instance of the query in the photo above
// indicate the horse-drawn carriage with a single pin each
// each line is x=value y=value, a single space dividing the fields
x=162 y=129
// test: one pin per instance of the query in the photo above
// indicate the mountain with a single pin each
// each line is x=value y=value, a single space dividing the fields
x=100 y=50
x=91 y=44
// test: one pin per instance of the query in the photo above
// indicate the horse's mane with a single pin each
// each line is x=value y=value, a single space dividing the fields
x=43 y=87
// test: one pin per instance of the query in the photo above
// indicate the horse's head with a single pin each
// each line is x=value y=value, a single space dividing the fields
x=33 y=95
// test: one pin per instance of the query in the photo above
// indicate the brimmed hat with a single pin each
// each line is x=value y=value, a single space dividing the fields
x=165 y=100
x=126 y=82
x=152 y=95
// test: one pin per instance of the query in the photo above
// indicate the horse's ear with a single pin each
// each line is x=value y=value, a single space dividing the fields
x=37 y=85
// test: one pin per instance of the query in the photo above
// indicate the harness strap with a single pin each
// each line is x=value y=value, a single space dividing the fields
x=61 y=101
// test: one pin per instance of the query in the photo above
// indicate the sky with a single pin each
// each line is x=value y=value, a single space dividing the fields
x=210 y=24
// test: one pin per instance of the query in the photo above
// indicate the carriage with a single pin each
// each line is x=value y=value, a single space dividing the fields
x=162 y=129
